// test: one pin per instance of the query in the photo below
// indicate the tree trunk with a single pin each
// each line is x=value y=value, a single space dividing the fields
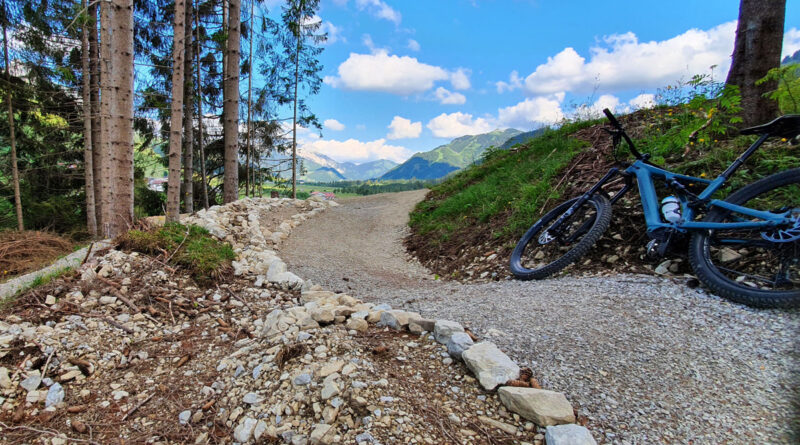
x=175 y=131
x=200 y=139
x=248 y=169
x=757 y=49
x=188 y=117
x=107 y=107
x=94 y=93
x=91 y=219
x=12 y=136
x=230 y=111
x=294 y=117
x=122 y=143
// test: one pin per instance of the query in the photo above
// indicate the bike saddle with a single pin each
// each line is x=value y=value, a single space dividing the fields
x=787 y=126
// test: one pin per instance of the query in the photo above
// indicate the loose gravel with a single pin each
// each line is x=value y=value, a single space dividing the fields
x=646 y=359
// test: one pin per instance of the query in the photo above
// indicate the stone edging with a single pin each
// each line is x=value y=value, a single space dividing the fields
x=492 y=368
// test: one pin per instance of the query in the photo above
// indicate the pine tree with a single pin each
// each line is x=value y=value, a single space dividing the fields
x=91 y=218
x=174 y=187
x=11 y=128
x=757 y=49
x=231 y=105
x=301 y=49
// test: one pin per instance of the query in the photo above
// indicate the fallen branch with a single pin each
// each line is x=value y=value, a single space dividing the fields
x=49 y=432
x=139 y=405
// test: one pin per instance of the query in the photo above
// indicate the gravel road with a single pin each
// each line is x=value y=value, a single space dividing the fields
x=647 y=359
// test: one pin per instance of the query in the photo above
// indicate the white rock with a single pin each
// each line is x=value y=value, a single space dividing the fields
x=55 y=395
x=458 y=343
x=244 y=431
x=322 y=434
x=5 y=380
x=541 y=406
x=568 y=435
x=489 y=364
x=444 y=329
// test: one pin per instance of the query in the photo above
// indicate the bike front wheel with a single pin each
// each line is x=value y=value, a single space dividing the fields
x=754 y=267
x=544 y=250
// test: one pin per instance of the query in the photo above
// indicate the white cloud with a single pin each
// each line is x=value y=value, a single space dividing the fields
x=532 y=112
x=334 y=33
x=447 y=97
x=791 y=42
x=357 y=151
x=595 y=110
x=413 y=45
x=404 y=129
x=643 y=101
x=514 y=82
x=333 y=124
x=458 y=124
x=386 y=73
x=625 y=63
x=460 y=79
x=380 y=10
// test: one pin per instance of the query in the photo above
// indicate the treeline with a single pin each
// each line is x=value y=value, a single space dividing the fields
x=372 y=188
x=86 y=85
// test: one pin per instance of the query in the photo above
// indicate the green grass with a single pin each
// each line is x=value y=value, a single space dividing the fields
x=513 y=183
x=190 y=247
x=506 y=192
x=37 y=282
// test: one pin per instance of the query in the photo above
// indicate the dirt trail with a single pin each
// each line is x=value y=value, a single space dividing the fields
x=646 y=359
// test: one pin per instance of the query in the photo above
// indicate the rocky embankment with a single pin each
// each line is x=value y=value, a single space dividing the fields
x=130 y=349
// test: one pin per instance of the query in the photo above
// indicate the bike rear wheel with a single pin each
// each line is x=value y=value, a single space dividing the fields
x=754 y=267
x=544 y=250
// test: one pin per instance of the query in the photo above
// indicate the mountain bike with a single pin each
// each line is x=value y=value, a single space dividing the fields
x=745 y=248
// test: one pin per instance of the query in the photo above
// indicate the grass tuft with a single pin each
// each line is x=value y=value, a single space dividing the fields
x=190 y=247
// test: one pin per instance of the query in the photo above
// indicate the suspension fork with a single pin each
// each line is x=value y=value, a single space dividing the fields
x=587 y=196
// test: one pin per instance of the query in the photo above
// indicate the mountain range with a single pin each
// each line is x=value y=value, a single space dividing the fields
x=433 y=164
x=445 y=159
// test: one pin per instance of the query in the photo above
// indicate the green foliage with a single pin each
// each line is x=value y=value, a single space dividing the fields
x=190 y=247
x=375 y=187
x=787 y=92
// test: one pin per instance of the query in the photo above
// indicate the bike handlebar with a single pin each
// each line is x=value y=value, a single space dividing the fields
x=615 y=123
x=612 y=119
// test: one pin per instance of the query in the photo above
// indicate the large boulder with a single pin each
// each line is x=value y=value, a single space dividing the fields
x=489 y=364
x=543 y=407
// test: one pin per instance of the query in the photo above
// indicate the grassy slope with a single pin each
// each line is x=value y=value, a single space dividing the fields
x=508 y=181
x=495 y=202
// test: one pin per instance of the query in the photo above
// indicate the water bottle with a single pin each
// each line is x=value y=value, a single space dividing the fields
x=671 y=209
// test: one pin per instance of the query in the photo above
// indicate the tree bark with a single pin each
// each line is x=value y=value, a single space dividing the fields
x=200 y=139
x=107 y=107
x=188 y=117
x=122 y=143
x=757 y=49
x=248 y=168
x=91 y=219
x=294 y=116
x=230 y=111
x=175 y=131
x=94 y=93
x=12 y=136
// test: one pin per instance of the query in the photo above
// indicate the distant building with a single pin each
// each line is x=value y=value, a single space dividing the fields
x=156 y=184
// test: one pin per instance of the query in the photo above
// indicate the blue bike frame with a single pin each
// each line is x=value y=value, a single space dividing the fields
x=645 y=173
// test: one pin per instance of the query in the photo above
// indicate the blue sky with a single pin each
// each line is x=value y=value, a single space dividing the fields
x=406 y=76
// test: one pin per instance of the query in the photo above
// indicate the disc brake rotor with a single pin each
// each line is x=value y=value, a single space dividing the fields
x=786 y=235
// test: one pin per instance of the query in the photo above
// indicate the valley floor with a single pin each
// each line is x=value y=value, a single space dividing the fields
x=646 y=359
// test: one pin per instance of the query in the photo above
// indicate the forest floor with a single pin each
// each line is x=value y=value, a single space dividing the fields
x=29 y=250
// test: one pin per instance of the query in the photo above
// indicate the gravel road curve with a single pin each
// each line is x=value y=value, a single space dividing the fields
x=647 y=359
